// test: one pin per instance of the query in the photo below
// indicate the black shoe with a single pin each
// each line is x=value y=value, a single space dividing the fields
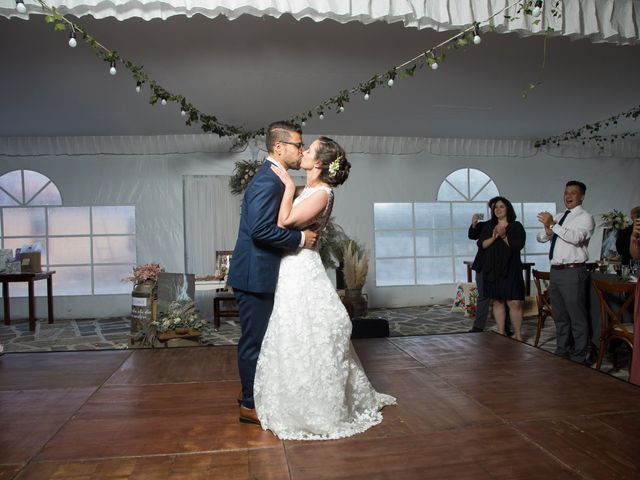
x=508 y=332
x=475 y=330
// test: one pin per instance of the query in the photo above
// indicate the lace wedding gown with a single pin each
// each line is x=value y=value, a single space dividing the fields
x=309 y=382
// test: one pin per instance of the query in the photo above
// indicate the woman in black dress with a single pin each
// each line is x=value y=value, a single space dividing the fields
x=501 y=240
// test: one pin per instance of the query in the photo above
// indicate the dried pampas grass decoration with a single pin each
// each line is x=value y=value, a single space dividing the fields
x=356 y=265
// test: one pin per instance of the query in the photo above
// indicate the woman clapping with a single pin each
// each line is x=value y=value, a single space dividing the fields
x=502 y=239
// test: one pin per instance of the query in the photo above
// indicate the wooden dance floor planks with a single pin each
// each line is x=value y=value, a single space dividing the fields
x=470 y=406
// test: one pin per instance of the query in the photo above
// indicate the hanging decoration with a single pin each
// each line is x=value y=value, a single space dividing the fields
x=590 y=132
x=432 y=58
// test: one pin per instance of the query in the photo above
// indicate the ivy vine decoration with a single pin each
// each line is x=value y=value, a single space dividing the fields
x=210 y=124
x=590 y=132
x=243 y=173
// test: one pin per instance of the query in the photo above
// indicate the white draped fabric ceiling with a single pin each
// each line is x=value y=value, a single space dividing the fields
x=599 y=20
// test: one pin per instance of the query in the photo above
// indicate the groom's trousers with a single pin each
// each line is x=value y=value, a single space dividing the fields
x=254 y=310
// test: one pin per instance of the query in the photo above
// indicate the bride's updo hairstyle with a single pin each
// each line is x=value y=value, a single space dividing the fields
x=335 y=166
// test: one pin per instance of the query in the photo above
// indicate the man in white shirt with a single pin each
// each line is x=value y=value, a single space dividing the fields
x=569 y=233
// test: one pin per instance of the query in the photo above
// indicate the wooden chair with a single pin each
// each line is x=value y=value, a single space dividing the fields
x=224 y=301
x=611 y=325
x=542 y=300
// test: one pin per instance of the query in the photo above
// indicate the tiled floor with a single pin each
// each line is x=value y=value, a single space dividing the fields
x=113 y=333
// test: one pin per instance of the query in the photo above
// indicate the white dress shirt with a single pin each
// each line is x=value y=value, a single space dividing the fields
x=302 y=239
x=573 y=236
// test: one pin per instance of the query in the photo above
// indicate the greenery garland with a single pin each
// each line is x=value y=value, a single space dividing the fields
x=589 y=132
x=210 y=124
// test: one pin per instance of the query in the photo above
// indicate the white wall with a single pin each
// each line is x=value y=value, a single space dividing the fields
x=153 y=183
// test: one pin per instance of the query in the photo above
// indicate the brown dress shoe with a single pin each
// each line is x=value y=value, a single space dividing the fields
x=248 y=415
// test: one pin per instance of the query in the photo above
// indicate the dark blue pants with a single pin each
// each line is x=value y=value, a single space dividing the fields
x=255 y=310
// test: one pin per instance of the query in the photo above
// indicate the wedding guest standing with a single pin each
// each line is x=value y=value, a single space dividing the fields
x=634 y=240
x=501 y=241
x=569 y=233
x=623 y=237
x=482 y=303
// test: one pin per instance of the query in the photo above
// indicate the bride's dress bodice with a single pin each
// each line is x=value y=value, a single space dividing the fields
x=309 y=381
x=320 y=220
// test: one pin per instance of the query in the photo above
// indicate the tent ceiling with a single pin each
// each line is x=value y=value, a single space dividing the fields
x=253 y=70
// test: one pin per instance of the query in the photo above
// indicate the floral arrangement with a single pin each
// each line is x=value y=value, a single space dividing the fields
x=615 y=220
x=472 y=304
x=243 y=174
x=181 y=318
x=147 y=273
x=356 y=264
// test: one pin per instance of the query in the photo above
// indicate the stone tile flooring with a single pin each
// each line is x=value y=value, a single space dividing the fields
x=113 y=333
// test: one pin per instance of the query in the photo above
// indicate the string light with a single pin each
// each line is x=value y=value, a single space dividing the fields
x=433 y=62
x=20 y=6
x=183 y=113
x=72 y=39
x=212 y=125
x=537 y=9
x=477 y=39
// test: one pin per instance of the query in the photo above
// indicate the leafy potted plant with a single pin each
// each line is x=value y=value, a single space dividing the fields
x=331 y=241
x=356 y=268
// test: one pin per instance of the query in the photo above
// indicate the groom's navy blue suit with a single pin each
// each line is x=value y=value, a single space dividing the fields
x=253 y=273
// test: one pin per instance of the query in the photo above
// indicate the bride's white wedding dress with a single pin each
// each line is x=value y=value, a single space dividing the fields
x=309 y=382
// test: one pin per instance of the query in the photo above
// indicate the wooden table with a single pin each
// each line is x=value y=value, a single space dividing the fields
x=7 y=278
x=526 y=266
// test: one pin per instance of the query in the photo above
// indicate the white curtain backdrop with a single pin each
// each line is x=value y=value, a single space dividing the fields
x=600 y=20
x=211 y=218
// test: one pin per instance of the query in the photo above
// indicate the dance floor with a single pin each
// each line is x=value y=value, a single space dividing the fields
x=470 y=406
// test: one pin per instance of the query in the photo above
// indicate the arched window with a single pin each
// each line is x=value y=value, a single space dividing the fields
x=427 y=243
x=22 y=188
x=90 y=247
x=467 y=185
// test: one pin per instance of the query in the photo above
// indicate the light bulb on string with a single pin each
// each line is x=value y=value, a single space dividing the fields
x=112 y=69
x=477 y=39
x=20 y=6
x=183 y=113
x=390 y=82
x=72 y=39
x=321 y=116
x=433 y=63
x=304 y=124
x=537 y=9
x=340 y=109
x=138 y=87
x=163 y=101
x=366 y=96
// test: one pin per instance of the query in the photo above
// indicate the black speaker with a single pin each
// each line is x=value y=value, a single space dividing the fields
x=370 y=328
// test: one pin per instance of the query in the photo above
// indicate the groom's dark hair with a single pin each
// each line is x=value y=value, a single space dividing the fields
x=280 y=132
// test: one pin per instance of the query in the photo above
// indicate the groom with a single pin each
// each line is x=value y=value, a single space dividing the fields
x=256 y=258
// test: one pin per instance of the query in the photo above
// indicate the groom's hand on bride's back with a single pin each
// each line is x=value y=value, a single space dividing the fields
x=310 y=238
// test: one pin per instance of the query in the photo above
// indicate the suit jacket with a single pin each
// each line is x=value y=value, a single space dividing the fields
x=623 y=238
x=474 y=234
x=256 y=258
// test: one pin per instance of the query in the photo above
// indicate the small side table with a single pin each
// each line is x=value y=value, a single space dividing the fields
x=7 y=278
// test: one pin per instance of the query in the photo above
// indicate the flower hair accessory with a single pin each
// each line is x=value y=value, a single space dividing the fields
x=334 y=166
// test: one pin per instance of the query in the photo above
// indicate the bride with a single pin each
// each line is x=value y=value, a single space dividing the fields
x=309 y=382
